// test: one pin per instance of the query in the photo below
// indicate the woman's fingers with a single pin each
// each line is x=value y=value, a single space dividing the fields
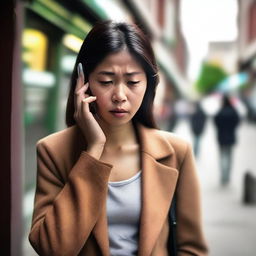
x=89 y=99
x=82 y=101
x=80 y=95
x=80 y=79
x=79 y=83
x=82 y=90
x=85 y=103
x=83 y=87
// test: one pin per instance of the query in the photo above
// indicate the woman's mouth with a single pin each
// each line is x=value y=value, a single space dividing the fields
x=118 y=112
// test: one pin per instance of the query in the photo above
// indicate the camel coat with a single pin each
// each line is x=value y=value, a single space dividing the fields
x=70 y=218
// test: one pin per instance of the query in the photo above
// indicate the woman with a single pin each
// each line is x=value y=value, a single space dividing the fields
x=105 y=184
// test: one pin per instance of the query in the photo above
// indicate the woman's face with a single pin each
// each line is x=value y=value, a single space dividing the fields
x=119 y=83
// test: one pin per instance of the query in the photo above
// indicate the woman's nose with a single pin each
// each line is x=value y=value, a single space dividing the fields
x=119 y=94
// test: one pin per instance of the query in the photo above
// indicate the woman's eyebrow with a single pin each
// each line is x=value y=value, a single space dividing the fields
x=109 y=73
x=133 y=73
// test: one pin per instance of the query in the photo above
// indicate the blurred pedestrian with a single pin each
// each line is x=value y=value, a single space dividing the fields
x=105 y=184
x=173 y=118
x=226 y=121
x=197 y=124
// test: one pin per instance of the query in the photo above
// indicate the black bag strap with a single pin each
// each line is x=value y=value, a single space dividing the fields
x=173 y=224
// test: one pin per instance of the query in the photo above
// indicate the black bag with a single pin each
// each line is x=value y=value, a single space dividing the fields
x=173 y=224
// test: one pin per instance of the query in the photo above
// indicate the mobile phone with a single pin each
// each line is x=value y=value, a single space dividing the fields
x=80 y=72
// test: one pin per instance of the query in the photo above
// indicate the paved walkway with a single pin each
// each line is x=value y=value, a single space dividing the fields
x=230 y=226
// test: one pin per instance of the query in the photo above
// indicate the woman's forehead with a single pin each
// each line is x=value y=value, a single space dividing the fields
x=119 y=62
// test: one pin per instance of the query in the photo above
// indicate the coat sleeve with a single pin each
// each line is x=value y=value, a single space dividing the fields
x=190 y=238
x=65 y=213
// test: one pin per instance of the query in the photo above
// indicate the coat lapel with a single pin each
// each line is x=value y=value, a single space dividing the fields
x=158 y=185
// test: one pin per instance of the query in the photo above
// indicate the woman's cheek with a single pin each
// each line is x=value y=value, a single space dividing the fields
x=101 y=102
x=139 y=95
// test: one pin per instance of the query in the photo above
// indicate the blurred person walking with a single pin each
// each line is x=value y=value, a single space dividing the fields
x=226 y=122
x=173 y=118
x=197 y=124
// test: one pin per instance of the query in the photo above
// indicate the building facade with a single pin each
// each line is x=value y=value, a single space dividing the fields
x=247 y=52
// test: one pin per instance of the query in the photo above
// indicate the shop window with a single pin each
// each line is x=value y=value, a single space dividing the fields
x=35 y=47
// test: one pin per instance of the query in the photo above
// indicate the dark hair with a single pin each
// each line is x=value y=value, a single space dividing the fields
x=110 y=37
x=226 y=101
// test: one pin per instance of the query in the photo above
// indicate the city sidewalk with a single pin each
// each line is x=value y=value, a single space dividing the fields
x=230 y=226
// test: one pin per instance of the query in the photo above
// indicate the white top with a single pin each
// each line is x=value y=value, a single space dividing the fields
x=123 y=211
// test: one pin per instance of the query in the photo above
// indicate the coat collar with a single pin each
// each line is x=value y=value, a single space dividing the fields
x=158 y=186
x=153 y=142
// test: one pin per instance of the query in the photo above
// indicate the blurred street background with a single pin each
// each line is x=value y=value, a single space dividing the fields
x=205 y=49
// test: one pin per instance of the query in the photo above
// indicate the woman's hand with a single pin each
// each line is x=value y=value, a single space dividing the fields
x=90 y=128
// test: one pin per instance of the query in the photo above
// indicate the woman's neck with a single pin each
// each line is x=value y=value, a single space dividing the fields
x=117 y=137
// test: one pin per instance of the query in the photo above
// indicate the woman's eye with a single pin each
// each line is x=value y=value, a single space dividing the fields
x=133 y=82
x=105 y=82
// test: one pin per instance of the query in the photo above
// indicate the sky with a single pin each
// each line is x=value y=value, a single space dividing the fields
x=204 y=21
